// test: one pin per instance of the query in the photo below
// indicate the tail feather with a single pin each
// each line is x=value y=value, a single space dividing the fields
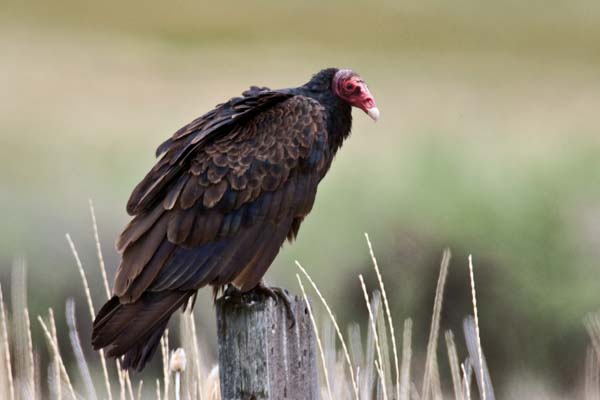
x=134 y=330
x=140 y=354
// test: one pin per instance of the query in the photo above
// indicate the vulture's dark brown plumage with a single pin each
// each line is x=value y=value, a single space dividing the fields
x=226 y=192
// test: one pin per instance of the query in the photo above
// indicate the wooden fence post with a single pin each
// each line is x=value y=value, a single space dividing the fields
x=260 y=356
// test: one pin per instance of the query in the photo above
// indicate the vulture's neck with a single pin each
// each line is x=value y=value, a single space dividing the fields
x=339 y=114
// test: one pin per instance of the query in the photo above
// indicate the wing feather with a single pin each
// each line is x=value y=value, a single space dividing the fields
x=137 y=227
x=175 y=192
x=192 y=192
x=220 y=121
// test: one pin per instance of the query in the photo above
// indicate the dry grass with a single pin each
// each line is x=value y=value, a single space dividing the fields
x=360 y=370
x=592 y=365
x=19 y=375
x=380 y=346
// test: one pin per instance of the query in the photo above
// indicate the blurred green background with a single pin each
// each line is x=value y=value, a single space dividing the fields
x=489 y=143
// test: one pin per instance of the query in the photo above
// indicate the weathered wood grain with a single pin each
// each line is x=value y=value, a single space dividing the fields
x=260 y=356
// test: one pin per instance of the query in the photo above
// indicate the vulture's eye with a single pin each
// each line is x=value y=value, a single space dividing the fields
x=349 y=86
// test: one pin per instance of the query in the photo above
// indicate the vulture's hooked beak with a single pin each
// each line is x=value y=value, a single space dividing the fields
x=367 y=103
x=373 y=112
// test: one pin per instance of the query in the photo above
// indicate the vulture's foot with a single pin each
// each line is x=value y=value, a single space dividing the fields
x=232 y=293
x=277 y=293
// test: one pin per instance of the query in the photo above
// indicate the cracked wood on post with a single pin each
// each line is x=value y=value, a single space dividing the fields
x=260 y=356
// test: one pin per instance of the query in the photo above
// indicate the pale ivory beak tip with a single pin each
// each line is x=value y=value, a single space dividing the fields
x=373 y=113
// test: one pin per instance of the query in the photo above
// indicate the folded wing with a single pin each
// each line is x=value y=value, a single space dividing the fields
x=226 y=193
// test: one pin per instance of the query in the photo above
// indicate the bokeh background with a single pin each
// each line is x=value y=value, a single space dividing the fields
x=489 y=143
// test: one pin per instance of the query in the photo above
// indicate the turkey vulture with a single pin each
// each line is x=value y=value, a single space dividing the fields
x=225 y=193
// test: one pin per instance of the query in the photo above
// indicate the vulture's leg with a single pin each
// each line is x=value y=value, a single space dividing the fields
x=233 y=293
x=277 y=293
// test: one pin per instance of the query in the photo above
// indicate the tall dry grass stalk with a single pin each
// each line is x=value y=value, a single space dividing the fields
x=454 y=365
x=592 y=374
x=99 y=253
x=56 y=367
x=82 y=364
x=139 y=390
x=53 y=345
x=478 y=335
x=406 y=358
x=337 y=329
x=592 y=324
x=378 y=363
x=102 y=266
x=387 y=312
x=90 y=305
x=431 y=384
x=200 y=379
x=592 y=365
x=23 y=346
x=164 y=352
x=467 y=373
x=6 y=374
x=316 y=330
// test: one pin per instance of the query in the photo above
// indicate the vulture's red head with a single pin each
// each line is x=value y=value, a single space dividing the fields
x=351 y=88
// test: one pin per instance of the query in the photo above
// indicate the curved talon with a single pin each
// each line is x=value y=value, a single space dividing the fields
x=278 y=293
